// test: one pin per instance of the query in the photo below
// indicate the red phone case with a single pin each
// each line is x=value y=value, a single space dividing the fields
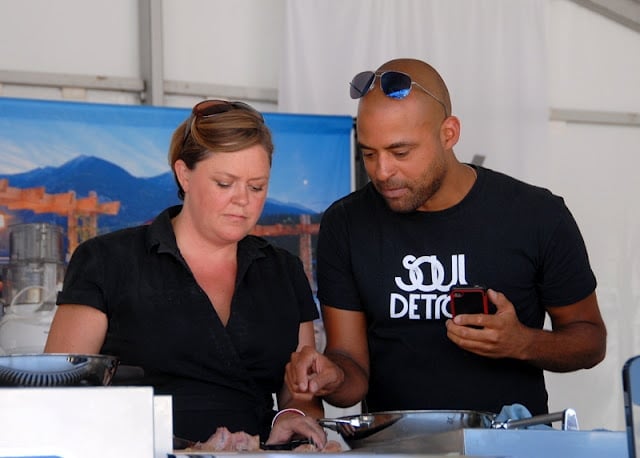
x=472 y=299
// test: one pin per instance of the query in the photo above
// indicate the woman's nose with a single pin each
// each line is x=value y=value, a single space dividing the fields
x=241 y=195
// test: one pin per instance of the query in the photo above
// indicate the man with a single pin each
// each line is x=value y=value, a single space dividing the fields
x=389 y=253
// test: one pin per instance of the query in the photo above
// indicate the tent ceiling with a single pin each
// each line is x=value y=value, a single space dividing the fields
x=625 y=12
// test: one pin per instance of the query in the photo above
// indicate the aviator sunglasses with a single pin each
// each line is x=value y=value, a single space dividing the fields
x=209 y=108
x=396 y=85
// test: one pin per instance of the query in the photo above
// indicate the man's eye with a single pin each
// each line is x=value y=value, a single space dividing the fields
x=256 y=188
x=222 y=184
x=400 y=153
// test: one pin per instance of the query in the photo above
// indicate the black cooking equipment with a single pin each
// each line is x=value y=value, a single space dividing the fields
x=56 y=369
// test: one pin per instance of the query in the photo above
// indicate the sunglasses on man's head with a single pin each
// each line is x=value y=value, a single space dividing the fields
x=209 y=108
x=396 y=85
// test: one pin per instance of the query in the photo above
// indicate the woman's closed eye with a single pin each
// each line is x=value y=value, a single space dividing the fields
x=252 y=187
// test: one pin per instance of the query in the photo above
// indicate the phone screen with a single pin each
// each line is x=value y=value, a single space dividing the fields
x=631 y=387
x=468 y=300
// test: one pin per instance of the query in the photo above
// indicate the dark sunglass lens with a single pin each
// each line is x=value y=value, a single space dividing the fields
x=243 y=106
x=213 y=107
x=360 y=84
x=247 y=107
x=395 y=84
x=204 y=109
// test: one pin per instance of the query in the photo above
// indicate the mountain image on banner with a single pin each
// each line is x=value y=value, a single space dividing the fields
x=141 y=199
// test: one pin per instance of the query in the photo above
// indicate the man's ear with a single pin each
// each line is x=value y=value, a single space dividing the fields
x=450 y=132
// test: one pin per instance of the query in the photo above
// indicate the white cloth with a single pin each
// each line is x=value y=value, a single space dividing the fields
x=492 y=57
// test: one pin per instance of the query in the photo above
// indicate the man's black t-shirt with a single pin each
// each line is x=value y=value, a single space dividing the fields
x=398 y=269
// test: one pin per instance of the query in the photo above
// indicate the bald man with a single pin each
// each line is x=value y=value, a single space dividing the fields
x=390 y=252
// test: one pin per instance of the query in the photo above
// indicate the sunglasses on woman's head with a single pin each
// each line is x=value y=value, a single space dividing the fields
x=396 y=85
x=209 y=108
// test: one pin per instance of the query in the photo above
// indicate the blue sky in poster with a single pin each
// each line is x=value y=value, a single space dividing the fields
x=311 y=165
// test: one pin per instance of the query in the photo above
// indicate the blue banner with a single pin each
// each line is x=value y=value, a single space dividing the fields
x=118 y=153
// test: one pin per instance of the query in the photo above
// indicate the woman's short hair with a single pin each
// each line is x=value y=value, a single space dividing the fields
x=201 y=135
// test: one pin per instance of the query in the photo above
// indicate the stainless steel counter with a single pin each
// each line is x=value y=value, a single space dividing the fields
x=478 y=442
x=533 y=443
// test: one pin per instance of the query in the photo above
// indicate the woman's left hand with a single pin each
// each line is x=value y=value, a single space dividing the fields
x=291 y=425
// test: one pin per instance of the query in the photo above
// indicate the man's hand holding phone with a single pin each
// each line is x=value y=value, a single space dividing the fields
x=495 y=334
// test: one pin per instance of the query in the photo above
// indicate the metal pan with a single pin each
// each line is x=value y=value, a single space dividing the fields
x=57 y=369
x=373 y=430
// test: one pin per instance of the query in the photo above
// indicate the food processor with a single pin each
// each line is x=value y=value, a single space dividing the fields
x=32 y=279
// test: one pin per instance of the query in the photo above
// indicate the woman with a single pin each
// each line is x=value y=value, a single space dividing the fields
x=210 y=313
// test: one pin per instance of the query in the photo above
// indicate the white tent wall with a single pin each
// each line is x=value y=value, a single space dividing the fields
x=230 y=45
x=586 y=62
x=69 y=37
x=497 y=85
x=594 y=64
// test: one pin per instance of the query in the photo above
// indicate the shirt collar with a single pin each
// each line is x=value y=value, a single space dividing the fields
x=161 y=235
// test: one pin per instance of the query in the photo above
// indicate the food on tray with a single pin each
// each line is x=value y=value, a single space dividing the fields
x=224 y=440
x=331 y=447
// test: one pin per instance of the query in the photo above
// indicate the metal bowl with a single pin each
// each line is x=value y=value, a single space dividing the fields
x=55 y=369
x=402 y=428
x=439 y=431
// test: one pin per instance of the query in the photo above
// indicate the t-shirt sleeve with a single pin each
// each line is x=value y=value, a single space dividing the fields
x=567 y=275
x=84 y=278
x=336 y=282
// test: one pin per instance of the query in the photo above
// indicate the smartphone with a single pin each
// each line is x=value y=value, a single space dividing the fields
x=631 y=393
x=469 y=299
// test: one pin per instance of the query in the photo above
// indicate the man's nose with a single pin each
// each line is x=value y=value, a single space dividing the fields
x=384 y=167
